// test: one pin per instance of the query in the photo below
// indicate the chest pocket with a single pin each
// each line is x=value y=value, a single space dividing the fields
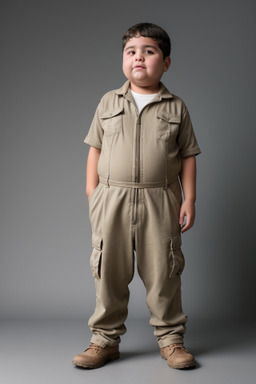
x=167 y=126
x=112 y=121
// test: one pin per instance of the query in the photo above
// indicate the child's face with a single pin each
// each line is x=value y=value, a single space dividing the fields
x=143 y=64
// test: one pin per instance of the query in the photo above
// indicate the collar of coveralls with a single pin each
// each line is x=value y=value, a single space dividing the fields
x=163 y=92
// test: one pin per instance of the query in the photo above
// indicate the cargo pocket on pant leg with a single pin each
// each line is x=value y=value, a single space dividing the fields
x=177 y=261
x=96 y=256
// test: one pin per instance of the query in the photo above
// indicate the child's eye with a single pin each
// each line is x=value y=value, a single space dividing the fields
x=131 y=53
x=149 y=52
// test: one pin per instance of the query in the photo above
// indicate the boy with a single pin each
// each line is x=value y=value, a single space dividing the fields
x=142 y=143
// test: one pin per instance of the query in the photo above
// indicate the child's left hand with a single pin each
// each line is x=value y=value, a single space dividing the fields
x=187 y=210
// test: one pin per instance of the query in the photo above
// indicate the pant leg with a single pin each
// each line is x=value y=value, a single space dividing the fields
x=112 y=262
x=160 y=262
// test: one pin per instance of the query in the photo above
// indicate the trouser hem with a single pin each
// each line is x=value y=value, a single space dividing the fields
x=103 y=342
x=171 y=339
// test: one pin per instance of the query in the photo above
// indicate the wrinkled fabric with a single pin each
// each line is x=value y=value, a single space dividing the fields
x=145 y=147
x=135 y=210
x=125 y=220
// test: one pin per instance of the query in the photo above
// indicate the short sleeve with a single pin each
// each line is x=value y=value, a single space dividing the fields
x=187 y=141
x=95 y=134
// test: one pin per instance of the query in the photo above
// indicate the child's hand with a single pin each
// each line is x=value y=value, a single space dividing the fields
x=187 y=210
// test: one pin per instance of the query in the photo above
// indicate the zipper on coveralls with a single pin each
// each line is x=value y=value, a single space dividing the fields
x=137 y=168
x=135 y=205
x=137 y=150
x=137 y=159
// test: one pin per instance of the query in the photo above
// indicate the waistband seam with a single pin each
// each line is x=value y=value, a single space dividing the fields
x=131 y=184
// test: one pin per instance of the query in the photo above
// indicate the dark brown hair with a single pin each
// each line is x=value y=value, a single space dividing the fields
x=149 y=30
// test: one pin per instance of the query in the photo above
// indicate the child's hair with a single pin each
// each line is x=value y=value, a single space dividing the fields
x=149 y=30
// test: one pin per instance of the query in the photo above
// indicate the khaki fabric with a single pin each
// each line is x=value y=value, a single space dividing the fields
x=145 y=147
x=135 y=209
x=125 y=219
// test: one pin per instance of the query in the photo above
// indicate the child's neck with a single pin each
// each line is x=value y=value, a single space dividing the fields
x=150 y=90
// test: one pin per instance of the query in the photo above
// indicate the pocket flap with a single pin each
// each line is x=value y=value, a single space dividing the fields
x=176 y=242
x=168 y=117
x=111 y=113
x=96 y=241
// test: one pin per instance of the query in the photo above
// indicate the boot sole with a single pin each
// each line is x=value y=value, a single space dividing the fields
x=97 y=365
x=187 y=364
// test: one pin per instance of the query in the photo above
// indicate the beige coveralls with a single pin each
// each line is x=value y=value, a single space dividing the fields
x=135 y=207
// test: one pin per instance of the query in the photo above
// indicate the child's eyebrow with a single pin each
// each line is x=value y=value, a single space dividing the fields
x=143 y=46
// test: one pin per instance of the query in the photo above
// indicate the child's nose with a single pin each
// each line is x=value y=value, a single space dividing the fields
x=139 y=56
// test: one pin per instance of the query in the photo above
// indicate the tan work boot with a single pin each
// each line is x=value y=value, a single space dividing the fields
x=177 y=356
x=95 y=356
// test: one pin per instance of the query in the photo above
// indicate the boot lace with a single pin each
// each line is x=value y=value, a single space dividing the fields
x=171 y=348
x=94 y=347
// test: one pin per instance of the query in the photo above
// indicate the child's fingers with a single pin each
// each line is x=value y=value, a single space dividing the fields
x=185 y=228
x=189 y=223
x=182 y=217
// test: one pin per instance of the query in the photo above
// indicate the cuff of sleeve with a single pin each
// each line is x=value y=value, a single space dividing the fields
x=191 y=152
x=91 y=142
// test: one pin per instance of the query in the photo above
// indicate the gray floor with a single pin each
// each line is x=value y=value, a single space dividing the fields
x=41 y=352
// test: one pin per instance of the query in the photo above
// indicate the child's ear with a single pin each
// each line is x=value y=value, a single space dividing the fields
x=167 y=63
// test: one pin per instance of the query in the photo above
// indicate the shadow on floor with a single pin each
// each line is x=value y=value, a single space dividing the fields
x=139 y=353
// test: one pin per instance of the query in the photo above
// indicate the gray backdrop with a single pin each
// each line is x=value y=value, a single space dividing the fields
x=57 y=59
